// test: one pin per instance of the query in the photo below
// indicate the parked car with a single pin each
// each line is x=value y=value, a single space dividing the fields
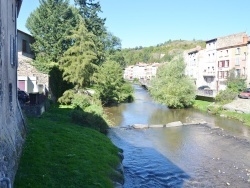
x=245 y=94
x=23 y=96
x=203 y=87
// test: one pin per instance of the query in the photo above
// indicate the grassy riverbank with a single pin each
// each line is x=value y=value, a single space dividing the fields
x=58 y=153
x=215 y=108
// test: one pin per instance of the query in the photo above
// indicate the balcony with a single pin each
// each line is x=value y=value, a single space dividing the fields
x=223 y=68
x=209 y=73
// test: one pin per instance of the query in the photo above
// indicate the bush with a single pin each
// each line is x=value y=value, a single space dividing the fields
x=172 y=87
x=80 y=100
x=226 y=96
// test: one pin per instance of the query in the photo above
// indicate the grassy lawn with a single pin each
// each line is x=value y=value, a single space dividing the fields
x=58 y=153
x=201 y=105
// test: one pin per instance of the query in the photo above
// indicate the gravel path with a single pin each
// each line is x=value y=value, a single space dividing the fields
x=239 y=105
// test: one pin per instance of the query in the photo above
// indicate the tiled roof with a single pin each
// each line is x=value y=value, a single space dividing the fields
x=231 y=40
x=196 y=49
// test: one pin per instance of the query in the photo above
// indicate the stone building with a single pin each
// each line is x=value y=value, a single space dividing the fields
x=29 y=78
x=12 y=128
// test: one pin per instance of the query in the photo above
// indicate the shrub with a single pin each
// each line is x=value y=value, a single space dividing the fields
x=172 y=87
x=226 y=96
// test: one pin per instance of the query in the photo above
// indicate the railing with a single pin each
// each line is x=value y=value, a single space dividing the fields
x=206 y=93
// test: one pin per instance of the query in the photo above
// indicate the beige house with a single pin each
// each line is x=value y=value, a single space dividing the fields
x=141 y=71
x=29 y=78
x=232 y=54
x=211 y=66
x=12 y=130
x=248 y=63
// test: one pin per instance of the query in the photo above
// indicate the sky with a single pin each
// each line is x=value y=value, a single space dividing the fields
x=151 y=22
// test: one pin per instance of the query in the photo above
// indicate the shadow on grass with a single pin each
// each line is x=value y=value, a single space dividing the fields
x=59 y=153
x=90 y=120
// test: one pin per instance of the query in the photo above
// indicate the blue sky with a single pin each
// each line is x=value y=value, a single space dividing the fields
x=148 y=23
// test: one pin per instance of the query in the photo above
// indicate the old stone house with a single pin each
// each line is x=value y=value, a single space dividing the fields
x=12 y=128
x=29 y=78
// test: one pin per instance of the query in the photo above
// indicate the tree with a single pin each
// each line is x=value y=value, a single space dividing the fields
x=236 y=82
x=172 y=87
x=78 y=62
x=89 y=11
x=49 y=24
x=111 y=85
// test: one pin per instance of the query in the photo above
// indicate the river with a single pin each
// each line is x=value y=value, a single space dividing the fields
x=212 y=155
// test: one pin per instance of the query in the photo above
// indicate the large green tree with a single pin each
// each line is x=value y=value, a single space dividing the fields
x=79 y=61
x=111 y=85
x=49 y=24
x=90 y=10
x=172 y=87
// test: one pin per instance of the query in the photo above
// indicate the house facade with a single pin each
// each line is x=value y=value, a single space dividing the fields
x=232 y=51
x=141 y=71
x=29 y=78
x=211 y=66
x=12 y=128
x=248 y=63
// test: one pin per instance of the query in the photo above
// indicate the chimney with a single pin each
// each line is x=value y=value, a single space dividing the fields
x=245 y=39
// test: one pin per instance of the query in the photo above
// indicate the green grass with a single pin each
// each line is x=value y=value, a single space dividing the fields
x=203 y=106
x=58 y=153
x=245 y=118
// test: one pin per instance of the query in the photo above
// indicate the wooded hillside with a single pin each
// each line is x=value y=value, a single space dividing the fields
x=164 y=52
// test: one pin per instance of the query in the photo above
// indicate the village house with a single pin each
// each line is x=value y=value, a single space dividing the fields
x=211 y=66
x=12 y=127
x=29 y=78
x=248 y=63
x=232 y=51
x=141 y=71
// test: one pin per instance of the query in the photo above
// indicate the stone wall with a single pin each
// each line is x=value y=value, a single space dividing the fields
x=27 y=70
x=12 y=128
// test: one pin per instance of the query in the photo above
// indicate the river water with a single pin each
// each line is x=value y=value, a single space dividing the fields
x=212 y=155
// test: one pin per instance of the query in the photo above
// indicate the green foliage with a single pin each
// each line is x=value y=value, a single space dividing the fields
x=110 y=83
x=172 y=87
x=90 y=119
x=215 y=109
x=202 y=105
x=81 y=100
x=57 y=85
x=160 y=53
x=236 y=83
x=226 y=96
x=79 y=61
x=49 y=24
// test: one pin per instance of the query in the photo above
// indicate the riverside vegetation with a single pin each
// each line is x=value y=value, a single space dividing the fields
x=60 y=153
x=67 y=145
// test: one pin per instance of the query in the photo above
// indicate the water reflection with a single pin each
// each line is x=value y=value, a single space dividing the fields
x=145 y=111
x=187 y=156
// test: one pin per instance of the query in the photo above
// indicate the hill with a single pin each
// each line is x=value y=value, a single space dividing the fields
x=164 y=52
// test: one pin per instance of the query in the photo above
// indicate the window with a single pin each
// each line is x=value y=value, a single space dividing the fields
x=24 y=46
x=237 y=61
x=237 y=72
x=237 y=51
x=223 y=74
